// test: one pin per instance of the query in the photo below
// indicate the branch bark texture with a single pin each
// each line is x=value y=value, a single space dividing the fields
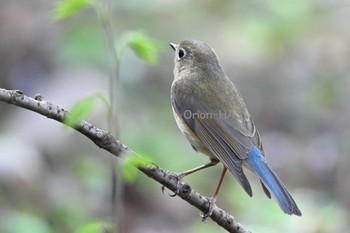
x=108 y=142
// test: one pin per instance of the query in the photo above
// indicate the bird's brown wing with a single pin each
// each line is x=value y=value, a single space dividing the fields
x=212 y=137
x=236 y=145
x=226 y=138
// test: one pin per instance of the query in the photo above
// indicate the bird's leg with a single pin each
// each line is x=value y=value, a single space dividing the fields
x=214 y=197
x=181 y=175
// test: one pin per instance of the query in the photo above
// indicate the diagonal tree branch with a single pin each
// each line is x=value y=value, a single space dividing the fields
x=106 y=141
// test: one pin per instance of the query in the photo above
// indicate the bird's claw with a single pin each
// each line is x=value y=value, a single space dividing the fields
x=174 y=194
x=178 y=178
x=203 y=215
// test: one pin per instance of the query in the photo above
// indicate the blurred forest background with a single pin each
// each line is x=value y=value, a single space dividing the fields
x=289 y=59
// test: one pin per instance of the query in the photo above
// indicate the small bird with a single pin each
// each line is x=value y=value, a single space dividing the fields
x=212 y=115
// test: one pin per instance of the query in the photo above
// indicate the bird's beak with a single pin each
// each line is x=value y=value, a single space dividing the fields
x=174 y=46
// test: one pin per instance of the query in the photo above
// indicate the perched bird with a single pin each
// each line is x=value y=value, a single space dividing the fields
x=212 y=115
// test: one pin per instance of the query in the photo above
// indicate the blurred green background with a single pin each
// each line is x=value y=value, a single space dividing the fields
x=289 y=59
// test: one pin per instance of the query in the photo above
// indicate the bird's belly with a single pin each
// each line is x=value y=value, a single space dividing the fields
x=192 y=137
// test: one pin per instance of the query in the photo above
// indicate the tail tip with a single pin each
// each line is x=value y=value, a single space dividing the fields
x=294 y=211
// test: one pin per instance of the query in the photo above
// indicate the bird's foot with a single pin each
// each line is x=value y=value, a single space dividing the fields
x=212 y=202
x=179 y=178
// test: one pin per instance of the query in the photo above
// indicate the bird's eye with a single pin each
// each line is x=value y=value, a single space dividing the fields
x=181 y=53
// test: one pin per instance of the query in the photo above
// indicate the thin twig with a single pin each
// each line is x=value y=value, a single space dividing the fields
x=105 y=17
x=108 y=142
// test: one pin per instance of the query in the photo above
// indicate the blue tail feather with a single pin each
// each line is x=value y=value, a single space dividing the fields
x=259 y=164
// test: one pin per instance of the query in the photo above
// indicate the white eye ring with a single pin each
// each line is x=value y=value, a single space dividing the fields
x=181 y=53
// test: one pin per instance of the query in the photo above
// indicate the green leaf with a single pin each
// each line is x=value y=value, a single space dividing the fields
x=130 y=164
x=67 y=8
x=93 y=227
x=143 y=46
x=80 y=110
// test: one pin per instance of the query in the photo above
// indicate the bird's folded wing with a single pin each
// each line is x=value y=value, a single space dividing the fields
x=215 y=140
